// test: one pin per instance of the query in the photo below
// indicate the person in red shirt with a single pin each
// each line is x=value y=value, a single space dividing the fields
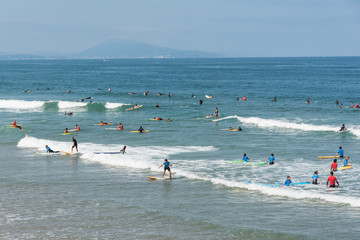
x=332 y=179
x=334 y=166
x=77 y=128
x=120 y=127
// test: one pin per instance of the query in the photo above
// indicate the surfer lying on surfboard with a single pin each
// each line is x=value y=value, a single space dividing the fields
x=167 y=166
x=49 y=150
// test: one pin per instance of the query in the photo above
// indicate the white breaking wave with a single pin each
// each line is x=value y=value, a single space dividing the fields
x=273 y=123
x=294 y=192
x=111 y=105
x=21 y=104
x=67 y=104
x=150 y=157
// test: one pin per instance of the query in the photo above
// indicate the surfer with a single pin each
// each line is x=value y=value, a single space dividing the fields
x=357 y=105
x=77 y=128
x=336 y=102
x=141 y=129
x=308 y=100
x=315 y=178
x=109 y=90
x=120 y=127
x=157 y=118
x=103 y=123
x=193 y=95
x=211 y=96
x=69 y=91
x=216 y=113
x=210 y=115
x=334 y=166
x=352 y=105
x=49 y=150
x=66 y=130
x=274 y=99
x=237 y=99
x=343 y=128
x=169 y=95
x=332 y=179
x=157 y=106
x=271 y=159
x=342 y=105
x=201 y=101
x=167 y=166
x=239 y=129
x=287 y=182
x=346 y=162
x=245 y=158
x=75 y=145
x=340 y=153
x=123 y=150
x=68 y=114
x=244 y=98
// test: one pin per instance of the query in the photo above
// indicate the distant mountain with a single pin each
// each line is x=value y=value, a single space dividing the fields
x=115 y=49
x=132 y=49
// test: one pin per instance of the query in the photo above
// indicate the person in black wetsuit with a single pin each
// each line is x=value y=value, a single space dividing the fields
x=75 y=145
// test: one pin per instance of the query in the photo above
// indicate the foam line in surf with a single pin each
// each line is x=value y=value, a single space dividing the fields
x=284 y=124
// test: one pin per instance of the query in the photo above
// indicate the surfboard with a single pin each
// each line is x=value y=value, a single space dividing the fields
x=160 y=178
x=207 y=96
x=118 y=129
x=131 y=93
x=132 y=108
x=46 y=153
x=343 y=168
x=98 y=124
x=262 y=184
x=107 y=152
x=326 y=157
x=234 y=130
x=66 y=133
x=237 y=161
x=255 y=164
x=297 y=183
x=139 y=131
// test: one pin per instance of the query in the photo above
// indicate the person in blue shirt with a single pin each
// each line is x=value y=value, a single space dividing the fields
x=167 y=166
x=245 y=158
x=346 y=162
x=49 y=150
x=340 y=152
x=287 y=182
x=271 y=159
x=315 y=178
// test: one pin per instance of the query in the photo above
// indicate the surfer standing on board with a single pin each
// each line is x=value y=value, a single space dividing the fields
x=167 y=166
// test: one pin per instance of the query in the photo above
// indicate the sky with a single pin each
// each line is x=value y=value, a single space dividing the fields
x=235 y=28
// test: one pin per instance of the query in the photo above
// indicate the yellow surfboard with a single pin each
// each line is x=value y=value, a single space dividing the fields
x=343 y=168
x=326 y=157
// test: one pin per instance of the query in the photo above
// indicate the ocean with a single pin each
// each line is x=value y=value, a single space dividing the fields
x=108 y=196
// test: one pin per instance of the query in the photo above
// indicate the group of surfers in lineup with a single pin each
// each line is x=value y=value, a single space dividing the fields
x=333 y=168
x=270 y=160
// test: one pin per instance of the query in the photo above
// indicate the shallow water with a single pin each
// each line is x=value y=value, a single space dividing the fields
x=108 y=196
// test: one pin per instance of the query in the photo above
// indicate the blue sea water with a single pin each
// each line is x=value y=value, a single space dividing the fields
x=104 y=196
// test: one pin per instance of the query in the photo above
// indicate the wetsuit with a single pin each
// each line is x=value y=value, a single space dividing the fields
x=245 y=159
x=334 y=166
x=287 y=182
x=341 y=153
x=48 y=149
x=315 y=178
x=166 y=166
x=271 y=160
x=332 y=180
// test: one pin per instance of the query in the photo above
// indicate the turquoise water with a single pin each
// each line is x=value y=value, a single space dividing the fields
x=108 y=196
